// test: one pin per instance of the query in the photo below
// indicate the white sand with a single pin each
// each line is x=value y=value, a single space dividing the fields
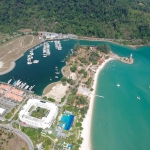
x=86 y=133
x=1 y=64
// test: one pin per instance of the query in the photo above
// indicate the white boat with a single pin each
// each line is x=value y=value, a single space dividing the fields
x=31 y=87
x=26 y=87
x=56 y=77
x=118 y=84
x=36 y=61
x=29 y=63
x=44 y=55
x=50 y=79
x=57 y=72
x=31 y=53
x=9 y=81
x=138 y=97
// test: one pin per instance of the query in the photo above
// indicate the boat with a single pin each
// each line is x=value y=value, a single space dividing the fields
x=44 y=55
x=31 y=87
x=50 y=79
x=31 y=53
x=118 y=84
x=149 y=87
x=9 y=81
x=36 y=61
x=26 y=87
x=29 y=62
x=138 y=97
x=56 y=76
x=57 y=72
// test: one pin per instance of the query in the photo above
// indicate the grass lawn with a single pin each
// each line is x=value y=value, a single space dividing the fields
x=39 y=112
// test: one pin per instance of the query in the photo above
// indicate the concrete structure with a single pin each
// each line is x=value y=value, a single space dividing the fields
x=2 y=111
x=43 y=123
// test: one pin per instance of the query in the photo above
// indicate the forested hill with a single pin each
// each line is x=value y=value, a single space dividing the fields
x=99 y=18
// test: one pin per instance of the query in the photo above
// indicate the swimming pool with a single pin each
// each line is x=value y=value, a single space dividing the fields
x=67 y=120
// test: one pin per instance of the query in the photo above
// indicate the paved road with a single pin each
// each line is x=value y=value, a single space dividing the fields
x=21 y=134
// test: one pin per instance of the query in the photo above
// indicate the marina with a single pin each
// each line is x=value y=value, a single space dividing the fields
x=58 y=45
x=22 y=85
x=46 y=49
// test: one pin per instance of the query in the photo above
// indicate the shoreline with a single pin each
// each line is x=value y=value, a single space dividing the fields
x=12 y=66
x=25 y=49
x=111 y=41
x=87 y=122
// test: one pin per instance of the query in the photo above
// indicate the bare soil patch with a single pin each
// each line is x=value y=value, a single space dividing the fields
x=11 y=141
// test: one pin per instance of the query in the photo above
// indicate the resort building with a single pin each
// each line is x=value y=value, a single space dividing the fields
x=38 y=120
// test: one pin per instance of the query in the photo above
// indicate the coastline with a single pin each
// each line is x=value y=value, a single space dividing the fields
x=87 y=122
x=23 y=49
x=115 y=41
x=12 y=66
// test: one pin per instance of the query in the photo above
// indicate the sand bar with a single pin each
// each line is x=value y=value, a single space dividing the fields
x=86 y=133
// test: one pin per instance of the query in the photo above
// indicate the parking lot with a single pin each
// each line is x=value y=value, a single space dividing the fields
x=7 y=104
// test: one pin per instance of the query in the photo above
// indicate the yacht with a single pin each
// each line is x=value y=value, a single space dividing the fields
x=118 y=84
x=138 y=97
x=9 y=81
x=57 y=72
x=36 y=61
x=56 y=77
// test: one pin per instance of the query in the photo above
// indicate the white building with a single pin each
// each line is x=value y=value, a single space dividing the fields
x=43 y=123
x=2 y=111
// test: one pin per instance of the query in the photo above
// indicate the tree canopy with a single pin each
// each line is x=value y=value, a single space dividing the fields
x=99 y=18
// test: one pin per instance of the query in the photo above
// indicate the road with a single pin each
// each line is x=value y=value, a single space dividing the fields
x=21 y=134
x=77 y=82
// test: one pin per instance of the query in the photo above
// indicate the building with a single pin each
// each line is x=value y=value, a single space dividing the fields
x=2 y=111
x=46 y=121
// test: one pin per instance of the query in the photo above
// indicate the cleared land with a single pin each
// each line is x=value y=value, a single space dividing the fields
x=14 y=49
x=10 y=141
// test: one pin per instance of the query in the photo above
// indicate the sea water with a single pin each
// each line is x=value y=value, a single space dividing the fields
x=121 y=121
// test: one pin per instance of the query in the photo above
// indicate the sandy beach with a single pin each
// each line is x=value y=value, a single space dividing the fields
x=86 y=133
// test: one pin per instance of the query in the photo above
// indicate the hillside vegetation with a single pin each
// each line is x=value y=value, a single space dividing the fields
x=100 y=18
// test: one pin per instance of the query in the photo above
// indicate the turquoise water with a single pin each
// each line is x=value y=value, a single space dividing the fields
x=121 y=121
